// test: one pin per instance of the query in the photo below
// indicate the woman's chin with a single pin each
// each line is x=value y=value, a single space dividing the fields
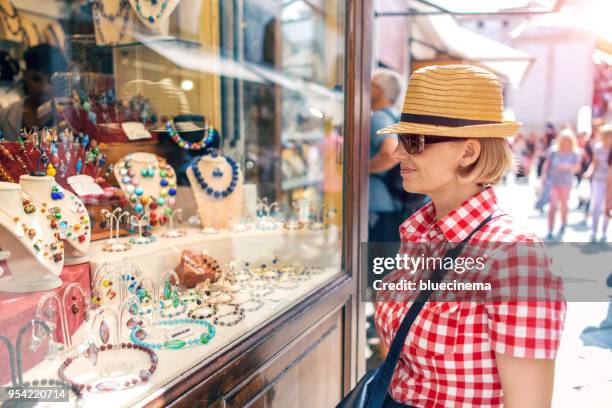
x=411 y=187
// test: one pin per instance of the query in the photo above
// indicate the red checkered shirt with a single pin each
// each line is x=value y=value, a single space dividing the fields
x=448 y=359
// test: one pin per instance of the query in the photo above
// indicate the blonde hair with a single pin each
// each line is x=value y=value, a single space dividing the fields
x=494 y=160
x=566 y=134
x=605 y=134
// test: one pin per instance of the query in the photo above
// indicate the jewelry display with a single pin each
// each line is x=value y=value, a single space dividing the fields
x=141 y=222
x=207 y=187
x=99 y=13
x=324 y=218
x=139 y=333
x=266 y=215
x=180 y=308
x=115 y=217
x=49 y=310
x=293 y=225
x=197 y=313
x=170 y=232
x=108 y=283
x=77 y=306
x=11 y=20
x=213 y=294
x=207 y=138
x=139 y=174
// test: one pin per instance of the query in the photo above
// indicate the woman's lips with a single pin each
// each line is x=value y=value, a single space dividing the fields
x=404 y=171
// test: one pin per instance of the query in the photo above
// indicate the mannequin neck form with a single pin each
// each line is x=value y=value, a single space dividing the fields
x=37 y=186
x=10 y=197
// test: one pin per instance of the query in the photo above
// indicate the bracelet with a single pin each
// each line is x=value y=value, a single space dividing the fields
x=261 y=291
x=259 y=304
x=138 y=334
x=238 y=311
x=182 y=308
x=266 y=274
x=287 y=284
x=192 y=314
x=110 y=385
x=293 y=225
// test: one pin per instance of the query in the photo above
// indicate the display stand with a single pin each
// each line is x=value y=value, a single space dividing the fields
x=36 y=254
x=217 y=212
x=77 y=231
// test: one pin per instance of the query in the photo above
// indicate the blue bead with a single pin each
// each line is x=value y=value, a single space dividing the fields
x=172 y=191
x=209 y=190
x=217 y=194
x=163 y=182
x=151 y=19
x=224 y=194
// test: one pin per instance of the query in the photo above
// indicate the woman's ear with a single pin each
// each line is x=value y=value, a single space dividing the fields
x=470 y=153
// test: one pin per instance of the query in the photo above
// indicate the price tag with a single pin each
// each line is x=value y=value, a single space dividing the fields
x=135 y=130
x=84 y=185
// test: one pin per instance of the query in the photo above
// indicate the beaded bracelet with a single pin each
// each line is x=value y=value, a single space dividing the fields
x=259 y=304
x=293 y=225
x=176 y=344
x=110 y=385
x=287 y=284
x=261 y=291
x=193 y=314
x=182 y=308
x=238 y=311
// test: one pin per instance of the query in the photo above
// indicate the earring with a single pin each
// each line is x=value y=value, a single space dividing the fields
x=104 y=332
x=28 y=207
x=37 y=336
x=461 y=163
x=167 y=290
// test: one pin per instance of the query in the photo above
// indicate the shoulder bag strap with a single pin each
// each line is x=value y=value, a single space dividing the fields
x=388 y=366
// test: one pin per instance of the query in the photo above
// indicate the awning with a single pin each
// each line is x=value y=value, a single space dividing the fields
x=440 y=34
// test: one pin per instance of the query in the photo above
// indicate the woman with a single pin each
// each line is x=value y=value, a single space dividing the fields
x=598 y=173
x=562 y=163
x=464 y=354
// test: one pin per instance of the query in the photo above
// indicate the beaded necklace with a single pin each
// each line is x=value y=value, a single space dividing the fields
x=98 y=12
x=136 y=196
x=208 y=189
x=153 y=17
x=7 y=17
x=184 y=144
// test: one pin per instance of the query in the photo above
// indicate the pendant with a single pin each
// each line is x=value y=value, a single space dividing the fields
x=92 y=353
x=175 y=299
x=104 y=332
x=107 y=386
x=167 y=290
x=217 y=172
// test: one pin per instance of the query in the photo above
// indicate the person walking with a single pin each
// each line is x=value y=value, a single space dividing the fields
x=598 y=173
x=383 y=223
x=562 y=163
x=453 y=147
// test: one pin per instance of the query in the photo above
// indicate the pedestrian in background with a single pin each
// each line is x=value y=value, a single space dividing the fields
x=598 y=173
x=385 y=91
x=562 y=163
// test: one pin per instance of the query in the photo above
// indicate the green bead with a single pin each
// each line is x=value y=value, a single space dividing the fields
x=175 y=299
x=174 y=344
x=161 y=201
x=204 y=338
x=168 y=211
x=163 y=173
x=167 y=290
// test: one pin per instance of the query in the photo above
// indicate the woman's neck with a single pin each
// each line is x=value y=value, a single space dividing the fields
x=450 y=197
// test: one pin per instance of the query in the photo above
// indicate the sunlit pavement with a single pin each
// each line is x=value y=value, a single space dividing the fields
x=583 y=373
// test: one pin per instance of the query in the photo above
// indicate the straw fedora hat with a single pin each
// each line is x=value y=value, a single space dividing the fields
x=453 y=100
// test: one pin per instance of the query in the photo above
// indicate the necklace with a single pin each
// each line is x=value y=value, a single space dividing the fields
x=184 y=144
x=236 y=311
x=124 y=9
x=136 y=195
x=7 y=17
x=208 y=189
x=151 y=18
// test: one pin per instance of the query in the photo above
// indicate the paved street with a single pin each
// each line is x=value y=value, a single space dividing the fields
x=583 y=373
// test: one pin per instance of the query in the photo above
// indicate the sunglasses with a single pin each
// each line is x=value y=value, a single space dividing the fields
x=414 y=144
